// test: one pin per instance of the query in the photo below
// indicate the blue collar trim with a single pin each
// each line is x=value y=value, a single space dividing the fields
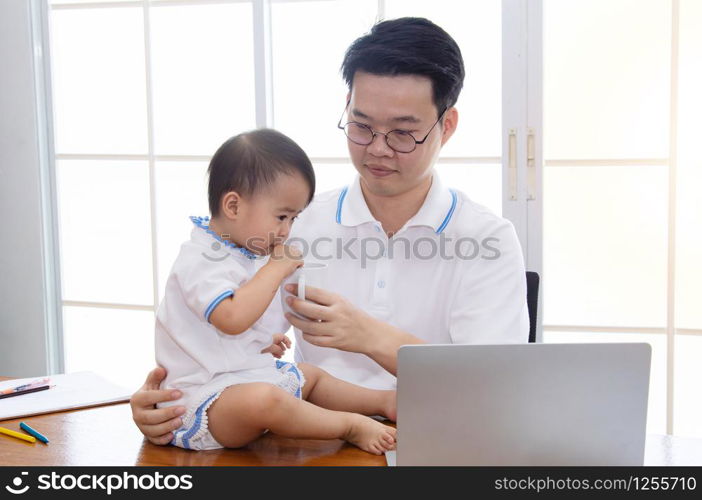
x=450 y=212
x=340 y=203
x=204 y=223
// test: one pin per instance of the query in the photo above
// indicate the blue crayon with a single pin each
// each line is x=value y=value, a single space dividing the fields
x=34 y=433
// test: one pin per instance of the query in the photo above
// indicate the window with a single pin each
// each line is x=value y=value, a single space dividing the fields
x=621 y=220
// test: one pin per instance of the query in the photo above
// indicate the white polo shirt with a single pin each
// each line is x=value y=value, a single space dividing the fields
x=453 y=274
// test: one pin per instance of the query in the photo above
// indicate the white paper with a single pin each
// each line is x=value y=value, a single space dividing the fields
x=70 y=391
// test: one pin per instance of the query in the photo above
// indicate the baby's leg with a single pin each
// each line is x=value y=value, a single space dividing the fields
x=322 y=389
x=243 y=412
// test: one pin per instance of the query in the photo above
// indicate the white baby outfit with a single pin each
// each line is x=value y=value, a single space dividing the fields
x=200 y=360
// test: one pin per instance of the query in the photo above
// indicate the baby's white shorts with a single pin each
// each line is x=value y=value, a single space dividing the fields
x=194 y=434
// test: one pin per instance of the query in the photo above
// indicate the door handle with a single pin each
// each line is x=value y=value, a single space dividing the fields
x=512 y=164
x=531 y=166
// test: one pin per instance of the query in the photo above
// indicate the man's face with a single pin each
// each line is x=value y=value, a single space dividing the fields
x=403 y=102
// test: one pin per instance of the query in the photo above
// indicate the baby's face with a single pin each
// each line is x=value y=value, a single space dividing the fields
x=267 y=217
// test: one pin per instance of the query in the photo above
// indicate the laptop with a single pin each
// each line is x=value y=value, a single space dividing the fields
x=522 y=404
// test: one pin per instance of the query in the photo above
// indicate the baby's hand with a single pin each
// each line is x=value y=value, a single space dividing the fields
x=287 y=258
x=279 y=345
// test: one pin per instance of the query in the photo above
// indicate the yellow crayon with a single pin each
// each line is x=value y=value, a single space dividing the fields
x=18 y=435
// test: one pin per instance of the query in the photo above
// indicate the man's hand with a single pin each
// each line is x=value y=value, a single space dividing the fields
x=334 y=321
x=156 y=424
x=278 y=346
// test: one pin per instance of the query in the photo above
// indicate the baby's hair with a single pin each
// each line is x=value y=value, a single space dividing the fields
x=249 y=162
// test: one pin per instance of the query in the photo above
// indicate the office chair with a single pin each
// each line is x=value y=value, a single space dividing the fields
x=532 y=280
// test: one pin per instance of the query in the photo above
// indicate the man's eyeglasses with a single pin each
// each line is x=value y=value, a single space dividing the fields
x=398 y=140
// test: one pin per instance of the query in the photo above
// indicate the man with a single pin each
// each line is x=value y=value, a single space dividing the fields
x=409 y=260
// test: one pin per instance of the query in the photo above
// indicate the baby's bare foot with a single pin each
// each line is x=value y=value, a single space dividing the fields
x=370 y=435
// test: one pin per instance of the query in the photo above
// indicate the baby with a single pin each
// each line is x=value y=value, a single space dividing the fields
x=213 y=334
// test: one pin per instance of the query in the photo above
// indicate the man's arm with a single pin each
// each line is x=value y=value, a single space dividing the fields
x=343 y=326
x=490 y=304
x=386 y=340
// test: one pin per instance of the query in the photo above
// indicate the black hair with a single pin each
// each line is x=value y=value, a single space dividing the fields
x=250 y=161
x=409 y=46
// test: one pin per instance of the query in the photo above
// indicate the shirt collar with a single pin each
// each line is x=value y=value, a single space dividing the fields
x=352 y=209
x=438 y=207
x=203 y=223
x=435 y=212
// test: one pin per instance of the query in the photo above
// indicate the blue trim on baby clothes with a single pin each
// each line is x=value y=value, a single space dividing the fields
x=203 y=223
x=196 y=425
x=216 y=302
x=291 y=367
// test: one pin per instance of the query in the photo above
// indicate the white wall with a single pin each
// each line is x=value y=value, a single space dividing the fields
x=26 y=316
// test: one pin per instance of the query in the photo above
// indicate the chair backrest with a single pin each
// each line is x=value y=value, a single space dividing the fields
x=532 y=280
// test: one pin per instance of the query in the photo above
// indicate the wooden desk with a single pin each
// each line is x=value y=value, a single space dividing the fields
x=107 y=436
